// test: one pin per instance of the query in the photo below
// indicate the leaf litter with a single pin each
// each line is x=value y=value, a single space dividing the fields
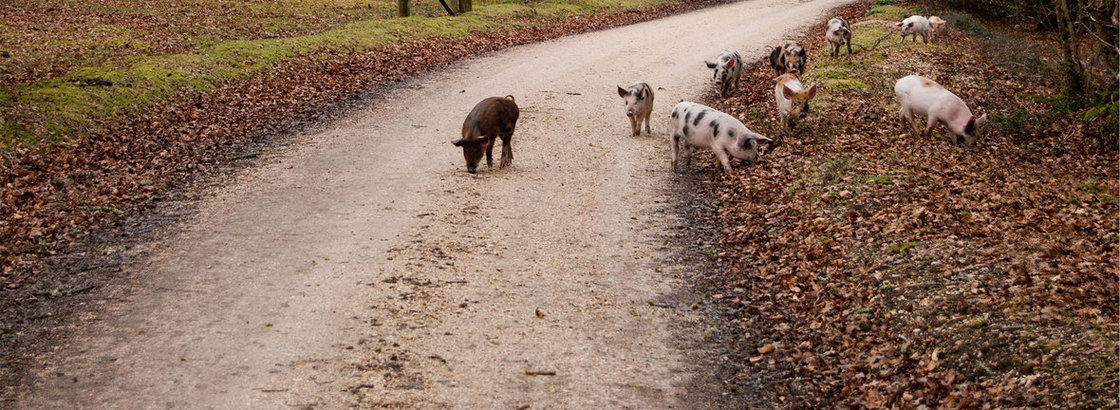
x=906 y=272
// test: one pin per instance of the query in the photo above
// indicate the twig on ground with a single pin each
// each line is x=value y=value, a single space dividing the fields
x=538 y=372
x=876 y=42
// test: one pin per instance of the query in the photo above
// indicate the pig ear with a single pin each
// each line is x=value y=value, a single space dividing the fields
x=459 y=142
x=898 y=24
x=786 y=92
x=971 y=126
x=980 y=121
x=644 y=94
x=911 y=24
x=622 y=93
x=762 y=138
x=710 y=64
x=730 y=63
x=813 y=91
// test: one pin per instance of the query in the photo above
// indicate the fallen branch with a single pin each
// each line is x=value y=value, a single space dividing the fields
x=538 y=372
x=873 y=47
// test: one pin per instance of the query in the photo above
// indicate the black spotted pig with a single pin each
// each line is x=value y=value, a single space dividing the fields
x=839 y=33
x=699 y=126
x=922 y=96
x=492 y=118
x=792 y=98
x=726 y=70
x=639 y=105
x=914 y=26
x=790 y=58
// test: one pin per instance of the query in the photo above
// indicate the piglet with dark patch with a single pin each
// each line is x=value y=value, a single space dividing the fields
x=839 y=33
x=725 y=71
x=699 y=126
x=790 y=58
x=639 y=105
x=493 y=118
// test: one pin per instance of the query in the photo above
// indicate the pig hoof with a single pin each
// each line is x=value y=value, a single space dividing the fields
x=472 y=170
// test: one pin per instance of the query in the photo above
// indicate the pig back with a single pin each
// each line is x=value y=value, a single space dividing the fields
x=492 y=117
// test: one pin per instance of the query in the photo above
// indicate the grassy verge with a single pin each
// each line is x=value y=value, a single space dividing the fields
x=73 y=104
x=873 y=268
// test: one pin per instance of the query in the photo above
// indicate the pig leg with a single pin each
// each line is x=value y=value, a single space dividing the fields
x=507 y=151
x=724 y=160
x=489 y=153
x=647 y=122
x=635 y=125
x=676 y=140
x=908 y=121
x=924 y=39
x=931 y=122
x=849 y=43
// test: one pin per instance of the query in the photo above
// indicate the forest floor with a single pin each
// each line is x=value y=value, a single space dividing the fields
x=870 y=267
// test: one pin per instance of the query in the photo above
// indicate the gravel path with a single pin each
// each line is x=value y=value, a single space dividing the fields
x=364 y=266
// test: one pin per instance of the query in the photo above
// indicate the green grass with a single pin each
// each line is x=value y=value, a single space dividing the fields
x=879 y=179
x=901 y=248
x=63 y=107
x=885 y=11
x=1099 y=191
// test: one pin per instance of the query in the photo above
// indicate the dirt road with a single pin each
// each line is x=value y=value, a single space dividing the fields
x=364 y=266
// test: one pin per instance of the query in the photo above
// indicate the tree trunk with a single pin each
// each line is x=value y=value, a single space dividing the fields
x=464 y=6
x=402 y=8
x=1071 y=66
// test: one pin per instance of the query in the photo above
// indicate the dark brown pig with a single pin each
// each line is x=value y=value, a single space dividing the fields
x=492 y=118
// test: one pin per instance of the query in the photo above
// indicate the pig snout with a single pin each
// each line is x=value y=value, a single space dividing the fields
x=754 y=157
x=473 y=170
x=629 y=112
